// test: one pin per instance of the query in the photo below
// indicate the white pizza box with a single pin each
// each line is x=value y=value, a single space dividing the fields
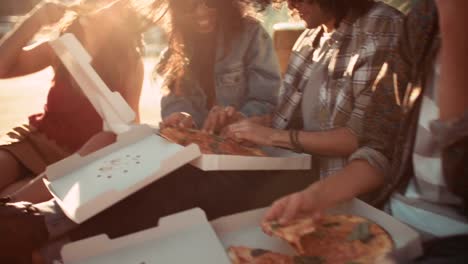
x=243 y=229
x=186 y=237
x=85 y=186
x=115 y=112
x=277 y=159
x=118 y=115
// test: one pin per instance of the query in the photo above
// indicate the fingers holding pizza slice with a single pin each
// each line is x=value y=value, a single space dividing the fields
x=208 y=143
x=292 y=232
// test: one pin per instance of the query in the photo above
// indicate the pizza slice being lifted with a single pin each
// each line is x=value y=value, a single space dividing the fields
x=292 y=232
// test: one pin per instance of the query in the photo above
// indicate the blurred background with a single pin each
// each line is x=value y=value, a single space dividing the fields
x=21 y=97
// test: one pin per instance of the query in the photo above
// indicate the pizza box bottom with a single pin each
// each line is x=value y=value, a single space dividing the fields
x=186 y=237
x=243 y=229
x=277 y=159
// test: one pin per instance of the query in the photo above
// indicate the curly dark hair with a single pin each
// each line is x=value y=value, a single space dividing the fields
x=231 y=14
x=338 y=8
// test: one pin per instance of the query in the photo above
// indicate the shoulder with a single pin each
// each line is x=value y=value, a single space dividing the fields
x=253 y=26
x=381 y=18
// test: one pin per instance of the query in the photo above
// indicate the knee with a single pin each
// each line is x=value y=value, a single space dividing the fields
x=10 y=168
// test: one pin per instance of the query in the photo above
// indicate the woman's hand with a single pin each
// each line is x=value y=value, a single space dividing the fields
x=219 y=117
x=250 y=131
x=306 y=203
x=48 y=13
x=178 y=119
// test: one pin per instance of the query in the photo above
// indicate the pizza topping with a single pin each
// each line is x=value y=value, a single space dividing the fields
x=258 y=252
x=308 y=260
x=318 y=234
x=361 y=232
x=331 y=224
x=275 y=225
x=208 y=143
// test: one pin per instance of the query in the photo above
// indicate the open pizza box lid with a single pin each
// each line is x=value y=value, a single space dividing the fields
x=85 y=186
x=115 y=112
x=243 y=229
x=277 y=159
x=186 y=237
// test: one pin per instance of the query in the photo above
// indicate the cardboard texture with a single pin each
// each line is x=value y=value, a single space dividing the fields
x=182 y=238
x=244 y=229
x=278 y=159
x=85 y=186
x=111 y=106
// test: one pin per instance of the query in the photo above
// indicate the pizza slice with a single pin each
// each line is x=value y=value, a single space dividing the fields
x=292 y=232
x=208 y=143
x=245 y=255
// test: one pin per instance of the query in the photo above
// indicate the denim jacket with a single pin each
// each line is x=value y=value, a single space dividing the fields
x=247 y=78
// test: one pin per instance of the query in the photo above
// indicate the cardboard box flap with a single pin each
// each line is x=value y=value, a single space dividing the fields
x=111 y=106
x=75 y=161
x=85 y=186
x=244 y=229
x=186 y=237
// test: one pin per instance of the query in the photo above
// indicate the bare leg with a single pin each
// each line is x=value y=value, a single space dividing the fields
x=14 y=187
x=10 y=167
x=34 y=192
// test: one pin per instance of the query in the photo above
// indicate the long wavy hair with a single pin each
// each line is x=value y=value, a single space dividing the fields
x=230 y=16
x=338 y=8
x=123 y=47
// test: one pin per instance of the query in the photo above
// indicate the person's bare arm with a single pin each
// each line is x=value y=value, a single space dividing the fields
x=453 y=92
x=335 y=142
x=133 y=87
x=358 y=177
x=15 y=61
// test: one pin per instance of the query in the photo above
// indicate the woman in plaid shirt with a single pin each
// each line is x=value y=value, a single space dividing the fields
x=329 y=82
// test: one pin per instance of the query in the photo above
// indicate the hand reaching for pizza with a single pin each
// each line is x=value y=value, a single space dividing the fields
x=219 y=117
x=178 y=119
x=306 y=203
x=248 y=130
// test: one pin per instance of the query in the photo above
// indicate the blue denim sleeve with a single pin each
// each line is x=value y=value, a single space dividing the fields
x=172 y=103
x=263 y=74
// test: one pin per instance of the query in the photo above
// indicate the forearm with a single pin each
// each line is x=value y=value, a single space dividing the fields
x=336 y=142
x=357 y=178
x=453 y=92
x=12 y=44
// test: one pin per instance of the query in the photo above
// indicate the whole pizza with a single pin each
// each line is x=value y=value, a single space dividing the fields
x=208 y=143
x=334 y=239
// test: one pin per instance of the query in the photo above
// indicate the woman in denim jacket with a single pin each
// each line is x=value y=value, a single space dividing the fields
x=220 y=65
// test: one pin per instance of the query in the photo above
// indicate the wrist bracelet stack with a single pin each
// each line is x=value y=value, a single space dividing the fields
x=294 y=138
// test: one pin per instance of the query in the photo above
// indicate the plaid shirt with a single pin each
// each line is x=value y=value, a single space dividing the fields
x=424 y=158
x=358 y=49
